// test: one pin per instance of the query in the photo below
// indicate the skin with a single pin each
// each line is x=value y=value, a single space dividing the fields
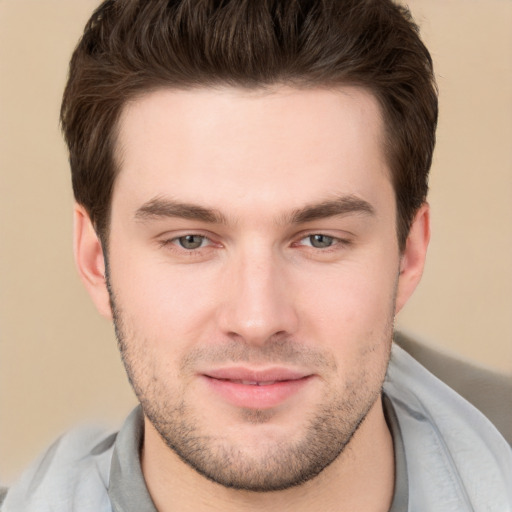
x=291 y=265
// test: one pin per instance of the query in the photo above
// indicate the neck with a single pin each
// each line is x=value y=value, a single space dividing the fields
x=361 y=478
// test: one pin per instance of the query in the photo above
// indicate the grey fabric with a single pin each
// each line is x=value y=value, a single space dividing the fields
x=127 y=490
x=3 y=494
x=72 y=476
x=400 y=501
x=456 y=460
x=488 y=391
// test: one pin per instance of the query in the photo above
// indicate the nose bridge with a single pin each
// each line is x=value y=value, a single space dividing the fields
x=259 y=304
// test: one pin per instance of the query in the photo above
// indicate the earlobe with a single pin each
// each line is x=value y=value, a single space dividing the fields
x=412 y=260
x=90 y=260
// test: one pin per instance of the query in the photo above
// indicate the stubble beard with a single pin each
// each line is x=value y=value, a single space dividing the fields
x=280 y=464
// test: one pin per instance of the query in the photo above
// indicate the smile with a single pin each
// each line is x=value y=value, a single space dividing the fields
x=252 y=389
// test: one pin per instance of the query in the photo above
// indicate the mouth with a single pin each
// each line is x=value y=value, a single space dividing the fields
x=256 y=389
x=253 y=383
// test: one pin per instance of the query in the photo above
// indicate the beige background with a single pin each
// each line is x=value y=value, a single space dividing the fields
x=58 y=360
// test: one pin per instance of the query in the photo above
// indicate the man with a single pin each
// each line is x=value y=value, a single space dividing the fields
x=250 y=183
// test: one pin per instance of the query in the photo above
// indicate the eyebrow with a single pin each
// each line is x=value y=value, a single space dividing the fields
x=162 y=208
x=344 y=205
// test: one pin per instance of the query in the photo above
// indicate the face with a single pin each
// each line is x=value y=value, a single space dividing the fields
x=253 y=272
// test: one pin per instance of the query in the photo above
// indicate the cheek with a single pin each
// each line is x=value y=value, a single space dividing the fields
x=163 y=302
x=350 y=314
x=349 y=297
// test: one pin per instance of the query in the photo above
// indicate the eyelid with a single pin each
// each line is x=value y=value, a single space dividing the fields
x=172 y=240
x=340 y=239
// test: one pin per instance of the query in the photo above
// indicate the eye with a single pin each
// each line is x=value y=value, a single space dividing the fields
x=191 y=242
x=319 y=241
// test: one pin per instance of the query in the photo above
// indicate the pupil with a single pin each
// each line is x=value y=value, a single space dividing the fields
x=191 y=241
x=320 y=241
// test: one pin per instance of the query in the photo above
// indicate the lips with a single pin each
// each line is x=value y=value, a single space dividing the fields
x=255 y=389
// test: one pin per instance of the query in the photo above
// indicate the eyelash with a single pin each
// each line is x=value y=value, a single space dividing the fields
x=336 y=243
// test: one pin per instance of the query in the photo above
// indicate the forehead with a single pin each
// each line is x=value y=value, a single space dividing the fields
x=273 y=146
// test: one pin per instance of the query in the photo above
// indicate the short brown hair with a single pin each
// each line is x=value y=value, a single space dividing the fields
x=130 y=47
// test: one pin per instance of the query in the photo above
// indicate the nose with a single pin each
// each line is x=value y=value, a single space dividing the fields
x=258 y=302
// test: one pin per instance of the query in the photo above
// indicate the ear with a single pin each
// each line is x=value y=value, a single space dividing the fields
x=90 y=260
x=412 y=260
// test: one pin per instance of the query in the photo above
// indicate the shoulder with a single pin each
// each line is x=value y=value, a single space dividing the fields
x=456 y=459
x=489 y=391
x=73 y=471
